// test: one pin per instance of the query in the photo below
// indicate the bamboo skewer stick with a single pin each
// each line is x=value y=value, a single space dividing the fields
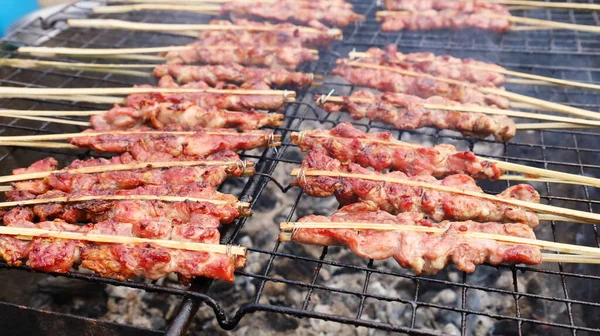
x=536 y=79
x=556 y=5
x=35 y=64
x=22 y=233
x=35 y=144
x=531 y=171
x=548 y=126
x=202 y=9
x=76 y=98
x=520 y=81
x=167 y=27
x=513 y=96
x=51 y=113
x=27 y=92
x=538 y=179
x=121 y=167
x=543 y=244
x=585 y=216
x=484 y=110
x=53 y=120
x=241 y=205
x=546 y=217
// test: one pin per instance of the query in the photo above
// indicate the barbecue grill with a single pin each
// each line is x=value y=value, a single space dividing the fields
x=335 y=290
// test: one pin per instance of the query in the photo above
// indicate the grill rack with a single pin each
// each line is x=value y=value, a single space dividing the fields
x=541 y=149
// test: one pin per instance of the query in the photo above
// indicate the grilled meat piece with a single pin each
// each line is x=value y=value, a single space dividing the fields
x=225 y=101
x=446 y=19
x=348 y=144
x=390 y=81
x=398 y=198
x=280 y=57
x=201 y=213
x=153 y=144
x=129 y=179
x=469 y=6
x=160 y=115
x=468 y=69
x=404 y=111
x=117 y=261
x=425 y=253
x=306 y=12
x=233 y=73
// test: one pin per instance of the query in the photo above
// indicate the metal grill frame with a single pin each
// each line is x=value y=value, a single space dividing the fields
x=361 y=37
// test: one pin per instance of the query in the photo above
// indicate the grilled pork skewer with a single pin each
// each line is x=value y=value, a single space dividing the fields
x=110 y=249
x=470 y=70
x=405 y=111
x=206 y=206
x=70 y=182
x=398 y=198
x=205 y=99
x=159 y=115
x=423 y=252
x=233 y=73
x=311 y=13
x=459 y=5
x=344 y=142
x=154 y=145
x=390 y=81
x=445 y=19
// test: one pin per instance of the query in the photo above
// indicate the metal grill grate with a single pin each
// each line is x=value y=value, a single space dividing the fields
x=549 y=298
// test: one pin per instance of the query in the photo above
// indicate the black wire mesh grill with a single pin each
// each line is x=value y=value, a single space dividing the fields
x=563 y=54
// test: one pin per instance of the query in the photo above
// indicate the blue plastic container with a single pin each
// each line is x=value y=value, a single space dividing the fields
x=12 y=10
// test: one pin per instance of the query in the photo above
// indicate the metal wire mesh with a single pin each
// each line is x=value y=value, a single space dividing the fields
x=568 y=289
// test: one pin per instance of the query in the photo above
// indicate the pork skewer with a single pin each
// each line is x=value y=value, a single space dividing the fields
x=477 y=72
x=96 y=174
x=394 y=79
x=455 y=19
x=381 y=151
x=424 y=246
x=358 y=181
x=113 y=251
x=197 y=204
x=145 y=144
x=404 y=111
x=396 y=198
x=471 y=6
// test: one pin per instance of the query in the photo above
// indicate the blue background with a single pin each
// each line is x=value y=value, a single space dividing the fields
x=12 y=10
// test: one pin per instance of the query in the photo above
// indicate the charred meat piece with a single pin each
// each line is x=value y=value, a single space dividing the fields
x=468 y=6
x=425 y=253
x=446 y=19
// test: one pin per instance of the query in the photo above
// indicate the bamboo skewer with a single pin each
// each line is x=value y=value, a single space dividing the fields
x=51 y=113
x=543 y=244
x=549 y=126
x=121 y=167
x=202 y=9
x=581 y=215
x=513 y=96
x=531 y=171
x=35 y=64
x=35 y=144
x=53 y=120
x=536 y=79
x=76 y=98
x=484 y=110
x=167 y=27
x=22 y=233
x=187 y=1
x=555 y=5
x=18 y=91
